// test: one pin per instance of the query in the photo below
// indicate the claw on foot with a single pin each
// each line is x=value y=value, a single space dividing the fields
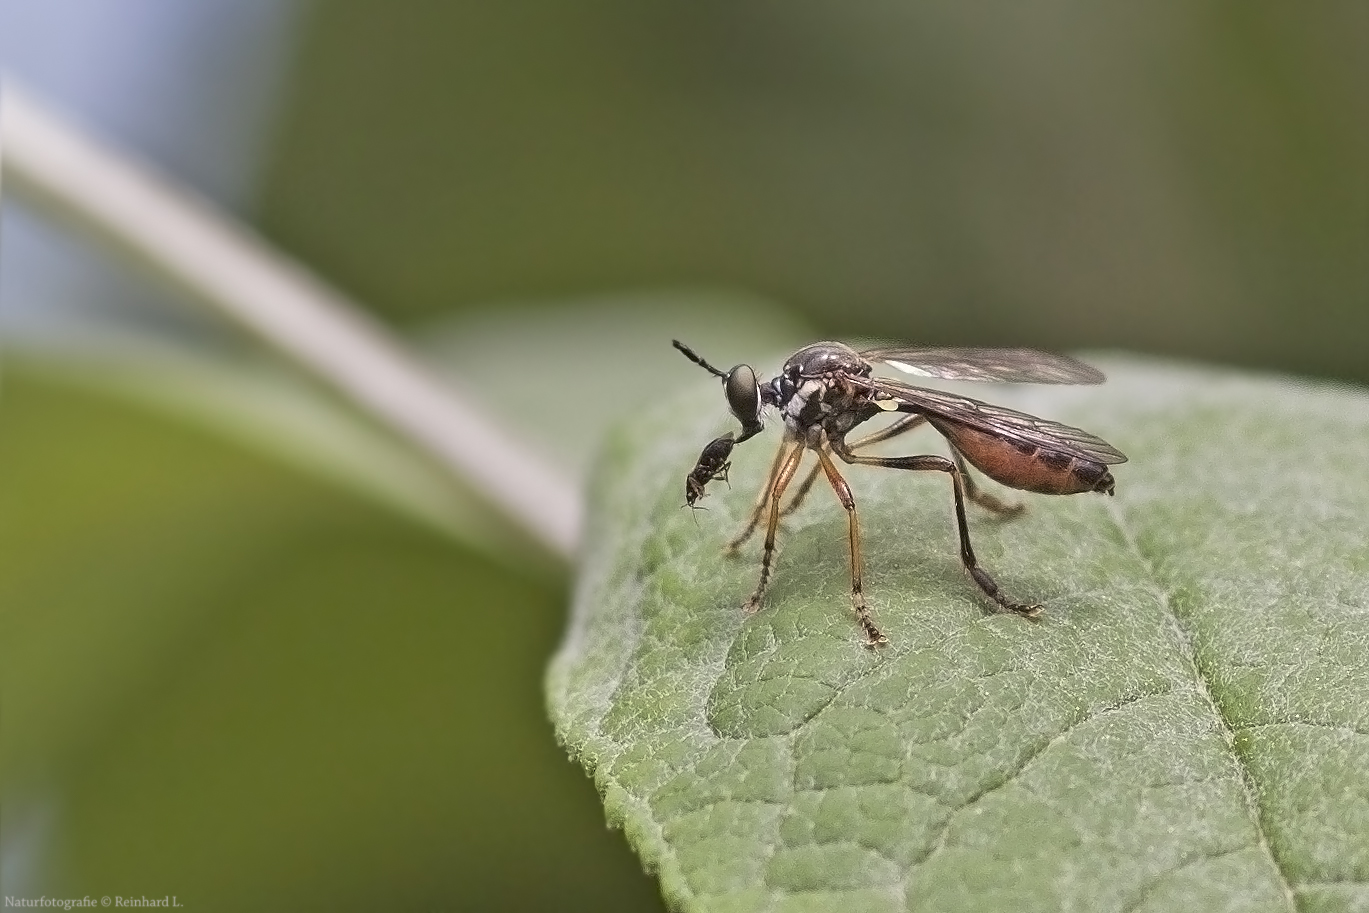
x=874 y=638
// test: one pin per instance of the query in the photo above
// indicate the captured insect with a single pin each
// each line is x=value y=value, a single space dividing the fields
x=827 y=389
x=713 y=465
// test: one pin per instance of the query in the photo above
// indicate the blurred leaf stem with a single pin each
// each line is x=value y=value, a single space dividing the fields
x=184 y=241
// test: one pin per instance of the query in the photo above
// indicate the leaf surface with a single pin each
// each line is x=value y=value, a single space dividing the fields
x=1187 y=727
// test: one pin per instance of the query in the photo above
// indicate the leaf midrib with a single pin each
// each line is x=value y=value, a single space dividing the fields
x=1183 y=637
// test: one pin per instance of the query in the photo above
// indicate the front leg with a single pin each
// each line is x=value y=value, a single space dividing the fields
x=779 y=481
x=758 y=509
x=902 y=426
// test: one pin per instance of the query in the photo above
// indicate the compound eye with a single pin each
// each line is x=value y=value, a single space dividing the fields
x=743 y=395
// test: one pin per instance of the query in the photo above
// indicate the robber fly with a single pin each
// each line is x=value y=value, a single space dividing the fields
x=827 y=389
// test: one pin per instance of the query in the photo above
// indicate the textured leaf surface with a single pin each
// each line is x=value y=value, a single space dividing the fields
x=1186 y=728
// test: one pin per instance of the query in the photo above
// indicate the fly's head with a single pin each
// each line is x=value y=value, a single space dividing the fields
x=746 y=396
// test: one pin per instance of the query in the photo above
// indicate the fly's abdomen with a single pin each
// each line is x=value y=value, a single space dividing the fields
x=1024 y=466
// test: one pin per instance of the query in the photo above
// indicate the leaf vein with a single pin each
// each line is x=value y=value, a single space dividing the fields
x=1184 y=641
x=1314 y=724
x=939 y=841
x=1187 y=863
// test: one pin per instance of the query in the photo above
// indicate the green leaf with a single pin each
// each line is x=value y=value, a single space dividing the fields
x=1187 y=726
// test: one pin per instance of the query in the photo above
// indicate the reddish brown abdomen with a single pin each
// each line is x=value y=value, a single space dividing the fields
x=1025 y=466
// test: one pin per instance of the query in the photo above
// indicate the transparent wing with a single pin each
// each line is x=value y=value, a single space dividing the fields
x=1017 y=426
x=1012 y=365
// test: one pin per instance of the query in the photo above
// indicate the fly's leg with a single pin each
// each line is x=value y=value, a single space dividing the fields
x=902 y=426
x=873 y=636
x=972 y=490
x=979 y=495
x=801 y=492
x=757 y=509
x=941 y=464
x=794 y=501
x=905 y=424
x=773 y=492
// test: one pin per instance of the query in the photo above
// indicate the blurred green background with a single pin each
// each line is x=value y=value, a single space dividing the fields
x=1185 y=178
x=245 y=683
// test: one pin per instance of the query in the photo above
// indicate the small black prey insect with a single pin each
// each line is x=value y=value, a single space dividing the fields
x=712 y=466
x=827 y=389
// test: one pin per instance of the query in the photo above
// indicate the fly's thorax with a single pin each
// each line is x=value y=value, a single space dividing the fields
x=814 y=392
x=826 y=358
x=804 y=403
x=827 y=404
